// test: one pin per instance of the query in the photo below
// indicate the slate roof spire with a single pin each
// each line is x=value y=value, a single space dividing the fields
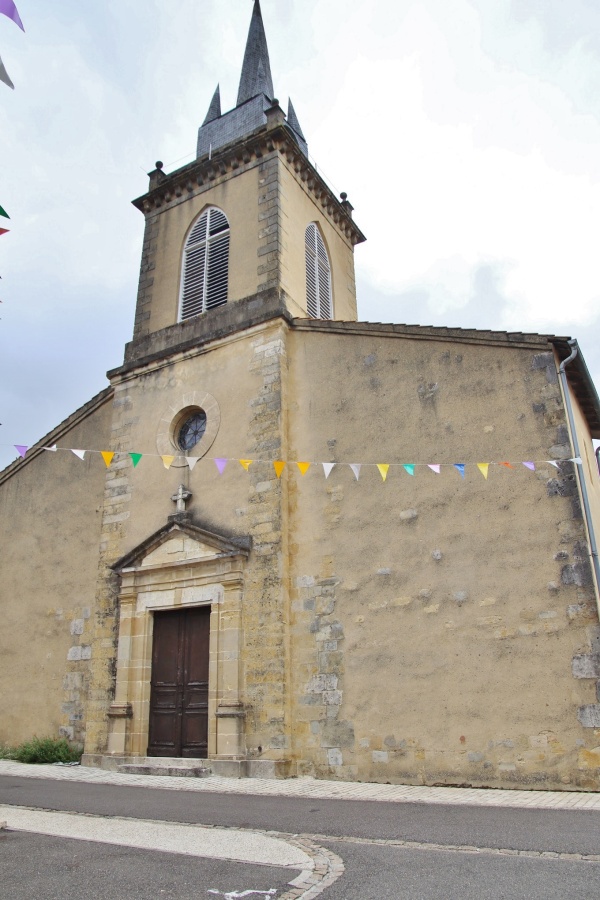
x=256 y=70
x=214 y=110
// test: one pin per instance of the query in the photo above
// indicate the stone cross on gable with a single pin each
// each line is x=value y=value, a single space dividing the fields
x=181 y=498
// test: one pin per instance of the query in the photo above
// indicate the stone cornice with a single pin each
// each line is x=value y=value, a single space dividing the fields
x=193 y=178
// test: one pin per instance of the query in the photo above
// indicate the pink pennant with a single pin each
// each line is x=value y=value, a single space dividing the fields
x=220 y=464
x=435 y=468
x=21 y=449
x=529 y=465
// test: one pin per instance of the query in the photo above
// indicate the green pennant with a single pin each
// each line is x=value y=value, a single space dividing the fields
x=135 y=458
x=4 y=213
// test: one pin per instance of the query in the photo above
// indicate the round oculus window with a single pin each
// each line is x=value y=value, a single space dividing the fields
x=191 y=430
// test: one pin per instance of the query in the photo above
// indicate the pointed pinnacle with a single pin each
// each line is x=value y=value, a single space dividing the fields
x=292 y=119
x=214 y=110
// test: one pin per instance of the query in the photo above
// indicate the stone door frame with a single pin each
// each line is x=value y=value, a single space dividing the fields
x=210 y=572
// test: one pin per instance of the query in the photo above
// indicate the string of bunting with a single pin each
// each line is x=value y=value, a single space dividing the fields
x=303 y=466
x=8 y=8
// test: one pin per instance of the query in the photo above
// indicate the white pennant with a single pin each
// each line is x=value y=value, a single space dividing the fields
x=327 y=467
x=191 y=461
x=356 y=469
x=53 y=449
x=79 y=453
x=552 y=463
x=577 y=459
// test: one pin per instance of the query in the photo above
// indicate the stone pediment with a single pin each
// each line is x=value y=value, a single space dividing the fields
x=180 y=542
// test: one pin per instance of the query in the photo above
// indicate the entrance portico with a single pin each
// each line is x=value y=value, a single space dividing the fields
x=182 y=566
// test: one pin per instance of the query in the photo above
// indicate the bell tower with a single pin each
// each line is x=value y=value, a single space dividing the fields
x=249 y=228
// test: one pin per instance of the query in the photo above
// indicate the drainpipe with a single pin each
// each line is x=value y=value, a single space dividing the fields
x=580 y=479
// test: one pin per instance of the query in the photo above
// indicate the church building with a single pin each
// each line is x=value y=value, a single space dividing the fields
x=286 y=542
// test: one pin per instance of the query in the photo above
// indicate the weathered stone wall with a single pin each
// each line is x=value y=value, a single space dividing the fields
x=241 y=380
x=438 y=623
x=49 y=530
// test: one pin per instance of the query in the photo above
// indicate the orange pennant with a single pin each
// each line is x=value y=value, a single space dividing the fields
x=245 y=463
x=303 y=466
x=279 y=466
x=383 y=470
x=167 y=460
x=107 y=456
x=507 y=464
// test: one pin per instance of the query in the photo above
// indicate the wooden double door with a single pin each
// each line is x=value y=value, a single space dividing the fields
x=179 y=685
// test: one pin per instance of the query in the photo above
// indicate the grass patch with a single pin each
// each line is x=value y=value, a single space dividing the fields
x=42 y=750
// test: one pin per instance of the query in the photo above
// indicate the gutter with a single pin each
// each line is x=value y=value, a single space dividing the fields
x=580 y=479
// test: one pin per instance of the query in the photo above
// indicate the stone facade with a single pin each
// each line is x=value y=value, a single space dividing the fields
x=420 y=627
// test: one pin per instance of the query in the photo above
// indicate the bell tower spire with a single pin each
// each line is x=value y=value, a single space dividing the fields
x=256 y=69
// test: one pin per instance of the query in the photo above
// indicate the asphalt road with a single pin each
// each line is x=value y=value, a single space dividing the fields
x=39 y=867
x=562 y=831
x=352 y=829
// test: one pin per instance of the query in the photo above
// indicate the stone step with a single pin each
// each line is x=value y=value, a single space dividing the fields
x=180 y=771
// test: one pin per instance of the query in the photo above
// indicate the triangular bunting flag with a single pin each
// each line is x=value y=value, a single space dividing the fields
x=167 y=460
x=220 y=464
x=279 y=466
x=304 y=467
x=21 y=449
x=552 y=462
x=484 y=468
x=107 y=456
x=577 y=459
x=460 y=467
x=356 y=467
x=4 y=77
x=434 y=468
x=4 y=230
x=383 y=469
x=4 y=213
x=191 y=461
x=8 y=8
x=135 y=458
x=79 y=453
x=507 y=465
x=52 y=449
x=530 y=465
x=327 y=467
x=410 y=469
x=245 y=463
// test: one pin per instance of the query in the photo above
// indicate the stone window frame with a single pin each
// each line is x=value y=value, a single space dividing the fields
x=173 y=416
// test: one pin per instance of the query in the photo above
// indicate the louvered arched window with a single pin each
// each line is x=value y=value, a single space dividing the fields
x=205 y=264
x=318 y=275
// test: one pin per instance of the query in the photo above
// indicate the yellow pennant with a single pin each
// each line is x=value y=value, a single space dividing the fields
x=167 y=460
x=484 y=469
x=304 y=467
x=107 y=456
x=279 y=466
x=383 y=469
x=245 y=463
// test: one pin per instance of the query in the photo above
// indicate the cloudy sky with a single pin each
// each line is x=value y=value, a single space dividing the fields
x=465 y=132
